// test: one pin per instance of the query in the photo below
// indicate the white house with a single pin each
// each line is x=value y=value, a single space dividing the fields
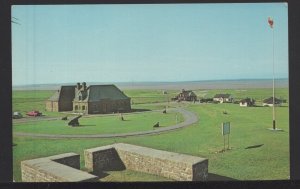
x=247 y=102
x=223 y=98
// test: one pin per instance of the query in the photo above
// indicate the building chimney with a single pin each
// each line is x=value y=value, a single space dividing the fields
x=84 y=85
x=78 y=86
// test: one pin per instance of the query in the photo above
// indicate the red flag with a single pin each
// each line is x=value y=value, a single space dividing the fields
x=271 y=22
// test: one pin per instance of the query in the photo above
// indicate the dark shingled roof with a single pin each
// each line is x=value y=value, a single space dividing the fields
x=95 y=93
x=222 y=96
x=189 y=93
x=248 y=100
x=270 y=100
x=98 y=92
x=63 y=93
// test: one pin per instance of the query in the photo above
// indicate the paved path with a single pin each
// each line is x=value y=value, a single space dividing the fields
x=189 y=117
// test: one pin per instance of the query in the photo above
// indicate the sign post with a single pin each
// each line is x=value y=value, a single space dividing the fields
x=226 y=131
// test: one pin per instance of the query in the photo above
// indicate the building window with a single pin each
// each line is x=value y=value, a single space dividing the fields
x=83 y=107
x=76 y=107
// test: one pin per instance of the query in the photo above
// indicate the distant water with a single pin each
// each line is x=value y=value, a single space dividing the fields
x=192 y=85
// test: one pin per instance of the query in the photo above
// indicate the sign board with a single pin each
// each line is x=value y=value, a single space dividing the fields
x=226 y=128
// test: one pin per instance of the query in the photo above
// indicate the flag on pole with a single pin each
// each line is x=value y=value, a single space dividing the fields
x=270 y=21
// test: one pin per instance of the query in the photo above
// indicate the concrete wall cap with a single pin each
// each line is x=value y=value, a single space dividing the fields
x=176 y=157
x=61 y=156
x=91 y=150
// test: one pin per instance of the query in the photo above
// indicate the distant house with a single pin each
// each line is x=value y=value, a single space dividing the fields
x=223 y=98
x=186 y=96
x=206 y=100
x=269 y=102
x=247 y=102
x=95 y=99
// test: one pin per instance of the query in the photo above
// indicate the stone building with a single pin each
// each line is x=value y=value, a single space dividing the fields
x=62 y=100
x=93 y=99
x=186 y=96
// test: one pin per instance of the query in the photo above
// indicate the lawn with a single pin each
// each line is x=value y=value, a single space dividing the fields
x=147 y=96
x=249 y=127
x=131 y=176
x=25 y=101
x=110 y=124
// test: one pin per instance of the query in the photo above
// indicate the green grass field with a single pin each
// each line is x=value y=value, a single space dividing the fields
x=249 y=127
x=102 y=124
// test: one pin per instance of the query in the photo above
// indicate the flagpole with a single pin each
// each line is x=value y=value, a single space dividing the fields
x=271 y=23
x=274 y=122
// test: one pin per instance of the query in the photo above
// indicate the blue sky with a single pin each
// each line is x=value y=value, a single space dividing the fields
x=158 y=42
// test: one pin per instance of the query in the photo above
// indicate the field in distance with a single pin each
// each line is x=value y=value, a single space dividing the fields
x=256 y=153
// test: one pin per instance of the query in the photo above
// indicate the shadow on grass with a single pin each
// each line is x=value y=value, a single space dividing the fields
x=254 y=146
x=118 y=166
x=258 y=106
x=215 y=177
x=140 y=110
x=261 y=106
x=82 y=126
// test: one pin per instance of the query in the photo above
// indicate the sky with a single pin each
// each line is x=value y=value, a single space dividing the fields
x=148 y=42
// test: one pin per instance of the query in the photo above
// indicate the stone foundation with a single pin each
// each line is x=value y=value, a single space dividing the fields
x=59 y=168
x=175 y=166
x=65 y=167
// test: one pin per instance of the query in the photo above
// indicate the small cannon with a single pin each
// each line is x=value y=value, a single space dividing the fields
x=156 y=125
x=74 y=121
x=64 y=118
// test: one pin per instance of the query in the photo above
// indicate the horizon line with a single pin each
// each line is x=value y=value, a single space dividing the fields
x=112 y=82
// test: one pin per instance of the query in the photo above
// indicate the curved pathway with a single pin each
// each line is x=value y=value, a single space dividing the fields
x=189 y=117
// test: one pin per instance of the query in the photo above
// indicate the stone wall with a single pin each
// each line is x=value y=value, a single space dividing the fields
x=65 y=106
x=102 y=159
x=108 y=106
x=59 y=168
x=65 y=167
x=52 y=106
x=175 y=166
